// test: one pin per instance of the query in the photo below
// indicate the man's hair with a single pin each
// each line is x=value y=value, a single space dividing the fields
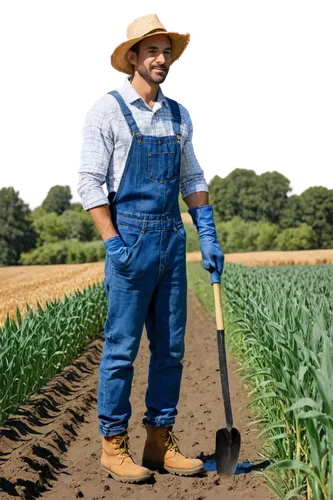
x=136 y=47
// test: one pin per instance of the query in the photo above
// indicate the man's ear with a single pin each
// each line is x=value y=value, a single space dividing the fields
x=131 y=56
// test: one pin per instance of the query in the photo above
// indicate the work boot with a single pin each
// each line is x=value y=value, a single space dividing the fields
x=162 y=452
x=117 y=461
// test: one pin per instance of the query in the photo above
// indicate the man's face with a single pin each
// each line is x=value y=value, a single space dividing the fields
x=154 y=58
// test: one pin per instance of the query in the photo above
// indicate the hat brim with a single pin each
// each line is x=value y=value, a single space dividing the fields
x=120 y=62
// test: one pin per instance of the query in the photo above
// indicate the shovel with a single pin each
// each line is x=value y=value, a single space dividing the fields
x=228 y=440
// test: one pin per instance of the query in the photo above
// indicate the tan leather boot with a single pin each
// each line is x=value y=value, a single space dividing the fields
x=117 y=462
x=162 y=452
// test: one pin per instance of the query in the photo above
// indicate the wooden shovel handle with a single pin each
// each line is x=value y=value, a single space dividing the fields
x=218 y=306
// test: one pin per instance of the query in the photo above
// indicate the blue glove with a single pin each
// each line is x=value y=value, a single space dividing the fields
x=212 y=255
x=119 y=253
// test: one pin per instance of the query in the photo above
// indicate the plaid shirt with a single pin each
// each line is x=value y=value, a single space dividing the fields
x=107 y=140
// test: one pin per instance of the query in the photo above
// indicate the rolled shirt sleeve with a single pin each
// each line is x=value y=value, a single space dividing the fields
x=96 y=151
x=191 y=174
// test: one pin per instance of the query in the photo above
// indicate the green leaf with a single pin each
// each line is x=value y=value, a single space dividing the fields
x=7 y=322
x=18 y=316
x=323 y=419
x=40 y=310
x=325 y=389
x=271 y=427
x=280 y=436
x=291 y=464
x=303 y=402
x=291 y=495
x=256 y=374
x=262 y=396
x=302 y=372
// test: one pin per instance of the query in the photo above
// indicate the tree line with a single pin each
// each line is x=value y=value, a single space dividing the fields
x=252 y=212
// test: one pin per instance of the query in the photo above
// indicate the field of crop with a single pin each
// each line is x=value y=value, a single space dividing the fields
x=286 y=315
x=19 y=285
x=278 y=324
x=29 y=284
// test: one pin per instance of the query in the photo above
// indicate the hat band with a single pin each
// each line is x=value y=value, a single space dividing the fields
x=157 y=30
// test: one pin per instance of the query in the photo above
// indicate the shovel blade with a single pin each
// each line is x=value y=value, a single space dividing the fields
x=227 y=451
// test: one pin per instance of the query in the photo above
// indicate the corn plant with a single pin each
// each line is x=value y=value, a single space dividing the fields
x=279 y=323
x=37 y=346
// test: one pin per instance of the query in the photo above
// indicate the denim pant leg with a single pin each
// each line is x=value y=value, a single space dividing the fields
x=165 y=325
x=128 y=302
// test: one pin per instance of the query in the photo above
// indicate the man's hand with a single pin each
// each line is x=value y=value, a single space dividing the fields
x=103 y=222
x=212 y=255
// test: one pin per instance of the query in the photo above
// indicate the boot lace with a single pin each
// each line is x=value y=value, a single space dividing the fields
x=170 y=441
x=123 y=445
x=169 y=438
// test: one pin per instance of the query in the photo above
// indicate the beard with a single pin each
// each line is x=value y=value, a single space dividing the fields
x=151 y=77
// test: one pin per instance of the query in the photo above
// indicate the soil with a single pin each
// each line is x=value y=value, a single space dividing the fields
x=51 y=447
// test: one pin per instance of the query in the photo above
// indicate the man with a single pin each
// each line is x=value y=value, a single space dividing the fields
x=139 y=143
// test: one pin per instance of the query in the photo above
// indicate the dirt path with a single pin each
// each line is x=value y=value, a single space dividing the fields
x=50 y=449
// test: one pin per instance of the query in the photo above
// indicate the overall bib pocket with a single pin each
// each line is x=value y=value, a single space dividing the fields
x=161 y=166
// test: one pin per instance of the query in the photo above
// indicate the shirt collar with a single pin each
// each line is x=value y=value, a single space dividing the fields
x=132 y=95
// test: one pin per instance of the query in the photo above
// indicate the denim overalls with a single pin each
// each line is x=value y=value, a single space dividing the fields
x=145 y=283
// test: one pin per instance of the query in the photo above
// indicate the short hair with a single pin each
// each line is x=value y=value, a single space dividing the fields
x=136 y=47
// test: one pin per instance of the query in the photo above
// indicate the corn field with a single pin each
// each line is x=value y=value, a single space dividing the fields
x=280 y=324
x=38 y=284
x=37 y=346
x=32 y=284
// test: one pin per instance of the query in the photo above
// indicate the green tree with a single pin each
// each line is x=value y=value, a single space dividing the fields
x=52 y=228
x=249 y=196
x=49 y=228
x=235 y=195
x=16 y=231
x=58 y=199
x=37 y=212
x=237 y=235
x=297 y=238
x=65 y=252
x=316 y=207
x=272 y=189
x=79 y=225
x=267 y=235
x=291 y=215
x=76 y=207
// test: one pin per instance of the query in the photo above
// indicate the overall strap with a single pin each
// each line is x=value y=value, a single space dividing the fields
x=175 y=113
x=126 y=112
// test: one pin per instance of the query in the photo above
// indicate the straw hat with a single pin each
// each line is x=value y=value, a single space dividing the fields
x=144 y=27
